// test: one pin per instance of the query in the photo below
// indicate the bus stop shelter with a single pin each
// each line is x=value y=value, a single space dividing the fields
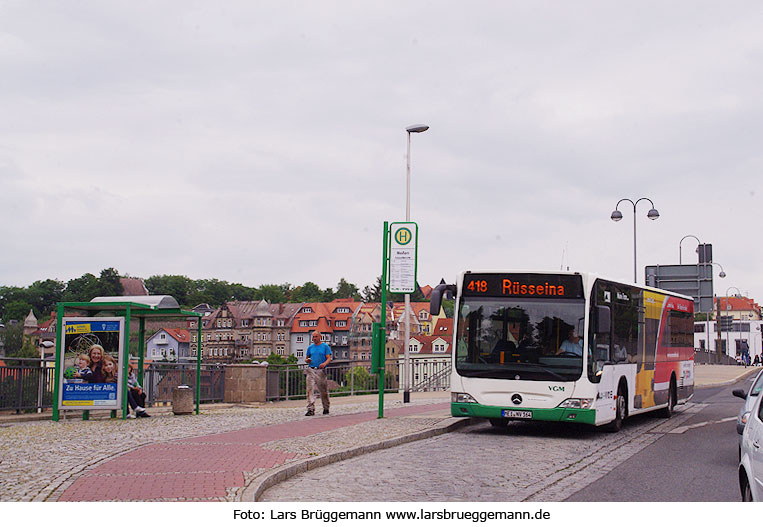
x=129 y=307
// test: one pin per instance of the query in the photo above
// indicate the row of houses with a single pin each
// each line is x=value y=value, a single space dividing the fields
x=252 y=330
x=242 y=331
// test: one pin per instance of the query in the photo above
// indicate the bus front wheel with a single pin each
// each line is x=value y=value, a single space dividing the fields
x=620 y=403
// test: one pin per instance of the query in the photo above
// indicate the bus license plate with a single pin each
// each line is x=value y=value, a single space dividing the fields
x=517 y=414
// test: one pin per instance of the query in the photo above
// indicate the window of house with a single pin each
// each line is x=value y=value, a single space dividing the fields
x=307 y=309
x=344 y=340
x=341 y=323
x=300 y=338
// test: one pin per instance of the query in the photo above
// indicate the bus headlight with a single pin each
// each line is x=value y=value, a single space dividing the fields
x=582 y=404
x=456 y=397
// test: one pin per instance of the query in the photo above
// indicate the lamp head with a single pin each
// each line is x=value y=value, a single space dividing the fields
x=722 y=274
x=653 y=214
x=616 y=215
x=417 y=128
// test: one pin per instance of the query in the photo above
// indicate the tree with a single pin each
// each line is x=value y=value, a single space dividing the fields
x=373 y=293
x=177 y=286
x=28 y=350
x=13 y=340
x=16 y=310
x=43 y=295
x=345 y=289
x=109 y=283
x=360 y=379
x=274 y=294
x=308 y=292
x=82 y=289
x=242 y=292
x=275 y=358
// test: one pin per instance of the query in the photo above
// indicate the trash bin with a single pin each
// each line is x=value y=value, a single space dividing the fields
x=182 y=400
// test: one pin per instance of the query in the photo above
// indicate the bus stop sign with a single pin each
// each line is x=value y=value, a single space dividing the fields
x=403 y=244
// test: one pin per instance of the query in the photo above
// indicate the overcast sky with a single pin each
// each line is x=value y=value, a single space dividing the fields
x=264 y=142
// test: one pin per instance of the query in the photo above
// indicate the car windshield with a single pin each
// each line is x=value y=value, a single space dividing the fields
x=758 y=386
x=534 y=339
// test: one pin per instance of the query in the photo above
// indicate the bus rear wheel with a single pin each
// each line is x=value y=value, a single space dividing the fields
x=668 y=410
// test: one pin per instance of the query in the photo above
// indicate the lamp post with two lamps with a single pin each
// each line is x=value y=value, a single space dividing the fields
x=413 y=129
x=617 y=216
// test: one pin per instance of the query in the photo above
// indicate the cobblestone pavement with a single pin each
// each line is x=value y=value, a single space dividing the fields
x=41 y=458
x=525 y=462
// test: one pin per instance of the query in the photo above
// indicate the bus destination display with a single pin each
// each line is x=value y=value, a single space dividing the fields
x=523 y=285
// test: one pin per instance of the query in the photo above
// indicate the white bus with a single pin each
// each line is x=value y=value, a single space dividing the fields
x=567 y=347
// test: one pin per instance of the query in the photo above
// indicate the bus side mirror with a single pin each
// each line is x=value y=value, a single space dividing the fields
x=435 y=300
x=602 y=319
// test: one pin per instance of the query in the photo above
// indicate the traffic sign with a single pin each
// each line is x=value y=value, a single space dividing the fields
x=695 y=280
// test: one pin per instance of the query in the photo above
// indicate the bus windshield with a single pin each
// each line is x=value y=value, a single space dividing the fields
x=528 y=339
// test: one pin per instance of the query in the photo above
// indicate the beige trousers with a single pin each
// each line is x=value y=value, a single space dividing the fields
x=316 y=378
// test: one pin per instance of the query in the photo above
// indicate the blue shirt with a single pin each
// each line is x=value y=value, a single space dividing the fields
x=571 y=347
x=317 y=354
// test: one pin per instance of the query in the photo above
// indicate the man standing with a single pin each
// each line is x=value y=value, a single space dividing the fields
x=317 y=357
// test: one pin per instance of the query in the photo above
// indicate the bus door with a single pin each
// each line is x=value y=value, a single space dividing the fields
x=600 y=365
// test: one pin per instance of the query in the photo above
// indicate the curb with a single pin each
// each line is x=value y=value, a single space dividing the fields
x=254 y=490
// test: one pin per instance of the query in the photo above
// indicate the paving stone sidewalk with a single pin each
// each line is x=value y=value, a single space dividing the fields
x=209 y=457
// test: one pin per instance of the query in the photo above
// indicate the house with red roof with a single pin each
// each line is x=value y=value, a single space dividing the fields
x=739 y=308
x=169 y=344
x=334 y=321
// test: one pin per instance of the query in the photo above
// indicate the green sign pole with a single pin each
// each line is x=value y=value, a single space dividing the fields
x=381 y=340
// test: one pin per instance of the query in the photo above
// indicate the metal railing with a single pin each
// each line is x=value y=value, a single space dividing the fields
x=288 y=381
x=159 y=379
x=26 y=384
x=703 y=356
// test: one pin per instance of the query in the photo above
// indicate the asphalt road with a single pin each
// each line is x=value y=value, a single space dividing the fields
x=699 y=464
x=689 y=457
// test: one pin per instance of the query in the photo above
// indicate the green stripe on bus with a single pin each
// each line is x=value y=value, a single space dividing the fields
x=568 y=415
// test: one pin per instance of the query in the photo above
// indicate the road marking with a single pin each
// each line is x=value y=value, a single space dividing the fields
x=683 y=429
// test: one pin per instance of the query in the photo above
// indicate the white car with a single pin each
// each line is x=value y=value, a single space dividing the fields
x=749 y=401
x=751 y=465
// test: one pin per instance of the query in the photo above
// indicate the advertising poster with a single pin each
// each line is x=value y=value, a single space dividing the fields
x=91 y=359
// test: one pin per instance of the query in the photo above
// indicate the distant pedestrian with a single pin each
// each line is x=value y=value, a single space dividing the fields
x=317 y=357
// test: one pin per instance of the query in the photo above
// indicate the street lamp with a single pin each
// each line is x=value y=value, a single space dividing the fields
x=682 y=240
x=722 y=274
x=413 y=129
x=617 y=216
x=728 y=330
